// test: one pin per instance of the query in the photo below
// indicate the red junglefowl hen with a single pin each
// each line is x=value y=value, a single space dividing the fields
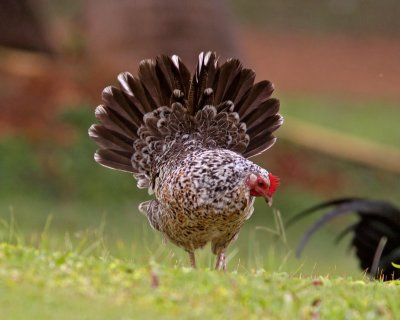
x=187 y=140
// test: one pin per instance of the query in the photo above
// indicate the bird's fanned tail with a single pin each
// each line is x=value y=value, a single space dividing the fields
x=219 y=105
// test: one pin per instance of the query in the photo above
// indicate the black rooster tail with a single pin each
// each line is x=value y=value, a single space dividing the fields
x=221 y=105
x=316 y=208
x=379 y=221
x=341 y=208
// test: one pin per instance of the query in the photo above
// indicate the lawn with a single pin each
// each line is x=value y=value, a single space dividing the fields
x=67 y=284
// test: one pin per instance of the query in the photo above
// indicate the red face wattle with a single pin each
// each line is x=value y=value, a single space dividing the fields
x=259 y=187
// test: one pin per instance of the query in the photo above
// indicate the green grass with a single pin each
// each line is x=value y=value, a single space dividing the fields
x=69 y=285
x=121 y=231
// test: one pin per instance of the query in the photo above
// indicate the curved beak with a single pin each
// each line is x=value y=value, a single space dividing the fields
x=268 y=199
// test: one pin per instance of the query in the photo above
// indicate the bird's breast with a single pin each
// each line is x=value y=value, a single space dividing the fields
x=208 y=183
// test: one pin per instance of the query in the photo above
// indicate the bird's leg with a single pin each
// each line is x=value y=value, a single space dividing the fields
x=192 y=259
x=221 y=261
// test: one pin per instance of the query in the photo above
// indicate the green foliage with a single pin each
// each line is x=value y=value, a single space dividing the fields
x=61 y=171
x=20 y=169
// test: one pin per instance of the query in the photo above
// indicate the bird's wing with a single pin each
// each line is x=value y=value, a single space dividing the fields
x=151 y=209
x=219 y=105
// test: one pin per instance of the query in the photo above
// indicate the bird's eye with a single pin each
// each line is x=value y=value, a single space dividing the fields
x=261 y=184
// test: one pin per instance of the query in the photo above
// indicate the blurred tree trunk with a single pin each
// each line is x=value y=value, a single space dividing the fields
x=121 y=33
x=20 y=26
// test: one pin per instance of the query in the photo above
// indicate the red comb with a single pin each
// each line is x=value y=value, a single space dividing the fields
x=273 y=183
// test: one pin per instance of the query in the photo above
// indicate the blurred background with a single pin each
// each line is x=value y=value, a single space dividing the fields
x=336 y=68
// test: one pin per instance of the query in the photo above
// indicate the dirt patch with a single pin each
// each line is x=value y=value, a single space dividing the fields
x=361 y=67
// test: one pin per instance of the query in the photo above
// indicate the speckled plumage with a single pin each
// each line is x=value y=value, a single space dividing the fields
x=186 y=140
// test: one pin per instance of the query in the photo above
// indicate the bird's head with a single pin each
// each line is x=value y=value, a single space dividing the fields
x=262 y=185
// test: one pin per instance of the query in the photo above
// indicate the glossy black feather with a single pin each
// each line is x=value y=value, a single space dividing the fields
x=377 y=220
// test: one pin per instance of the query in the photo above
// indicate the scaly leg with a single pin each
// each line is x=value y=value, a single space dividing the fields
x=221 y=261
x=192 y=259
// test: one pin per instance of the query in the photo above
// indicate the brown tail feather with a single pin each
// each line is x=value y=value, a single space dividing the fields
x=265 y=110
x=114 y=159
x=259 y=146
x=203 y=78
x=245 y=84
x=125 y=105
x=228 y=72
x=114 y=121
x=108 y=139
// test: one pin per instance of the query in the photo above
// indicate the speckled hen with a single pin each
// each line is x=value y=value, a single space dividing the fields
x=188 y=139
